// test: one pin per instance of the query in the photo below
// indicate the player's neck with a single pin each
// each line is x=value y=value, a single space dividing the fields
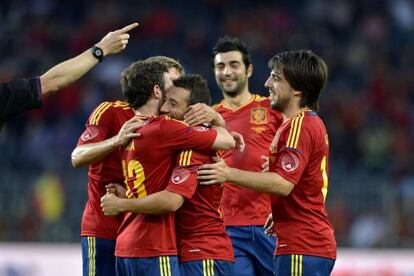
x=147 y=109
x=239 y=100
x=292 y=111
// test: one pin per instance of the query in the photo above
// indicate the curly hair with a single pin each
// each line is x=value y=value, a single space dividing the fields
x=138 y=81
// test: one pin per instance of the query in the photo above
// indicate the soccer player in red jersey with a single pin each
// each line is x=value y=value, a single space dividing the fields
x=203 y=245
x=298 y=172
x=245 y=211
x=146 y=245
x=108 y=127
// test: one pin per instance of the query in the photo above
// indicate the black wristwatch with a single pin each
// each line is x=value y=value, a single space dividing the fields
x=97 y=53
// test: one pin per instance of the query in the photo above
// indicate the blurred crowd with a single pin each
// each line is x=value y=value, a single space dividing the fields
x=367 y=105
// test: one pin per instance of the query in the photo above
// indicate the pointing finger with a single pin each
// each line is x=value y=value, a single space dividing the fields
x=129 y=27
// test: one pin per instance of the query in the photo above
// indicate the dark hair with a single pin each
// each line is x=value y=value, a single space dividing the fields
x=170 y=62
x=227 y=44
x=305 y=72
x=198 y=87
x=138 y=81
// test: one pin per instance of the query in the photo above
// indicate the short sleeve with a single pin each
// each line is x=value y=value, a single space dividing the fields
x=183 y=181
x=293 y=156
x=98 y=125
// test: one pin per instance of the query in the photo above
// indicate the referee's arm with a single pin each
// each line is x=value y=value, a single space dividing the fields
x=20 y=95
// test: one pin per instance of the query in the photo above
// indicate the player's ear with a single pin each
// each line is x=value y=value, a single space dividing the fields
x=297 y=93
x=249 y=70
x=156 y=91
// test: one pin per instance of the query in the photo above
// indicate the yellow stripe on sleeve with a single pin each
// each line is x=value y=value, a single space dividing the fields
x=294 y=133
x=100 y=114
x=299 y=129
x=97 y=112
x=300 y=265
x=190 y=153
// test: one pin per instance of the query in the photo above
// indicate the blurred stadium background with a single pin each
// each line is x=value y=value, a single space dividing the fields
x=367 y=106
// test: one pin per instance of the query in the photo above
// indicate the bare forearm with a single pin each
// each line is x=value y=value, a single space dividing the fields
x=266 y=182
x=67 y=72
x=154 y=204
x=94 y=152
x=224 y=140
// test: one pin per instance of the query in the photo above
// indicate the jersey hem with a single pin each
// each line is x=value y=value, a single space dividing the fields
x=333 y=257
x=98 y=235
x=215 y=257
x=143 y=255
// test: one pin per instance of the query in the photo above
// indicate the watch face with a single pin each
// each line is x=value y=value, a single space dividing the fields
x=98 y=52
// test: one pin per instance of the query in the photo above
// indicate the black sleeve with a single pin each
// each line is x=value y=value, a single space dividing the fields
x=18 y=96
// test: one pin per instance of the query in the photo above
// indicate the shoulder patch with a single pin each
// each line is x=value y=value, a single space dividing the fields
x=289 y=161
x=90 y=133
x=180 y=175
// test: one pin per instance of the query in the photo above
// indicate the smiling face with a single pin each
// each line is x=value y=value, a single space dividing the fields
x=280 y=91
x=176 y=102
x=231 y=73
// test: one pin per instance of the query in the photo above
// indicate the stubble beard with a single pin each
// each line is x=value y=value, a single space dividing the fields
x=240 y=85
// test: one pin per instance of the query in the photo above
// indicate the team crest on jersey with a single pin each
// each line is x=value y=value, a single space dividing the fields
x=180 y=175
x=258 y=116
x=90 y=133
x=289 y=161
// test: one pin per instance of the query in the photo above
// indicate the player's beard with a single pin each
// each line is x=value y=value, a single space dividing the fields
x=279 y=103
x=236 y=89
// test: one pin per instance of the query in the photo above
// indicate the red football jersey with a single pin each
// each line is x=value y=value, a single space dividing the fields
x=300 y=153
x=199 y=225
x=258 y=123
x=104 y=122
x=148 y=163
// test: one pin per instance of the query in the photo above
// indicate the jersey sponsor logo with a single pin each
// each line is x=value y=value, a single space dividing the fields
x=90 y=133
x=180 y=175
x=289 y=161
x=258 y=116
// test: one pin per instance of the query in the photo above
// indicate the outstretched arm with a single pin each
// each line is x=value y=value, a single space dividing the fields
x=268 y=182
x=71 y=70
x=155 y=204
